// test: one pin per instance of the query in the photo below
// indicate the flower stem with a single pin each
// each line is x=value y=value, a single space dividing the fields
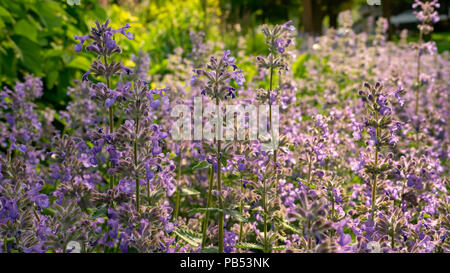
x=178 y=197
x=265 y=216
x=135 y=165
x=241 y=210
x=309 y=169
x=219 y=167
x=274 y=151
x=270 y=109
x=148 y=191
x=392 y=239
x=403 y=192
x=419 y=83
x=111 y=118
x=208 y=205
x=219 y=189
x=374 y=186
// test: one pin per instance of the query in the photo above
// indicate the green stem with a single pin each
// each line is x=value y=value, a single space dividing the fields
x=148 y=191
x=208 y=205
x=138 y=207
x=419 y=84
x=332 y=205
x=178 y=197
x=219 y=167
x=111 y=119
x=403 y=192
x=392 y=239
x=416 y=105
x=219 y=189
x=309 y=235
x=374 y=186
x=241 y=210
x=274 y=152
x=309 y=169
x=265 y=216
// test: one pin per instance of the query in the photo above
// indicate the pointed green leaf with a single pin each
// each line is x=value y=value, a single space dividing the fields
x=249 y=246
x=201 y=165
x=189 y=191
x=213 y=249
x=236 y=215
x=204 y=210
x=189 y=237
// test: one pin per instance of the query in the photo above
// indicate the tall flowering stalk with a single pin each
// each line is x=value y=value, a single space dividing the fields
x=278 y=39
x=218 y=88
x=144 y=156
x=104 y=45
x=427 y=16
x=382 y=130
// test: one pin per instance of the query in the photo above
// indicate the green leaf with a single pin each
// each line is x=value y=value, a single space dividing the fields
x=30 y=53
x=213 y=249
x=299 y=67
x=52 y=77
x=249 y=246
x=48 y=211
x=58 y=117
x=47 y=189
x=100 y=212
x=79 y=62
x=5 y=14
x=189 y=191
x=280 y=247
x=236 y=215
x=172 y=155
x=290 y=227
x=189 y=237
x=53 y=53
x=25 y=28
x=204 y=210
x=201 y=165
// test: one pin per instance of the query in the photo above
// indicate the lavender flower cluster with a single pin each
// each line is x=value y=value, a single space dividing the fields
x=361 y=165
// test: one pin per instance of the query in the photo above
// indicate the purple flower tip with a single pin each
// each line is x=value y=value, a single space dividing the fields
x=109 y=102
x=78 y=47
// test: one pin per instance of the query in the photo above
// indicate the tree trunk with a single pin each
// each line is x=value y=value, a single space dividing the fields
x=386 y=7
x=333 y=18
x=312 y=16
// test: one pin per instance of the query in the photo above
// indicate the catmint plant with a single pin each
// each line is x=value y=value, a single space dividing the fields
x=104 y=45
x=219 y=74
x=348 y=173
x=382 y=131
x=278 y=39
x=147 y=139
x=427 y=16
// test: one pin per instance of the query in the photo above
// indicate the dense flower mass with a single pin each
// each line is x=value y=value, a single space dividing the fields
x=360 y=165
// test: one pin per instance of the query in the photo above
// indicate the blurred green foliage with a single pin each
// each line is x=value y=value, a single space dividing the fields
x=37 y=35
x=37 y=38
x=442 y=40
